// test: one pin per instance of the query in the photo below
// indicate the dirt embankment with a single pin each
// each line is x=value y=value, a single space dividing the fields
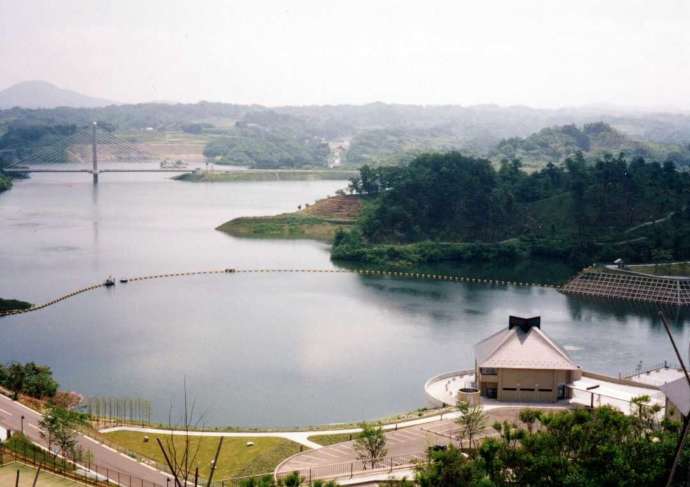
x=319 y=221
x=345 y=207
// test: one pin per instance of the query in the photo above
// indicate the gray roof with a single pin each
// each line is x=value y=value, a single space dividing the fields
x=517 y=349
x=678 y=392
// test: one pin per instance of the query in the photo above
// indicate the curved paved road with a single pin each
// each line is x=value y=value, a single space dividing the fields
x=115 y=462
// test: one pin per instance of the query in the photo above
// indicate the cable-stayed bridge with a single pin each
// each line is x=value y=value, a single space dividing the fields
x=63 y=150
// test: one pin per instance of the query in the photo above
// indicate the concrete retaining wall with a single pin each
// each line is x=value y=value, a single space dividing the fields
x=437 y=378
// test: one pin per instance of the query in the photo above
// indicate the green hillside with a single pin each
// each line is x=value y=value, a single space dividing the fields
x=554 y=144
x=453 y=207
x=269 y=140
x=373 y=134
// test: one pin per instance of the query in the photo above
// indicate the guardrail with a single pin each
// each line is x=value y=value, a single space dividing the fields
x=87 y=472
x=644 y=370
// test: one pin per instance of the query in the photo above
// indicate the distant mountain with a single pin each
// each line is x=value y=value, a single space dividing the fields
x=554 y=144
x=41 y=94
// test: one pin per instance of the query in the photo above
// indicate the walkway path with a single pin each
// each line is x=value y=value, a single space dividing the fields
x=405 y=446
x=406 y=438
x=302 y=437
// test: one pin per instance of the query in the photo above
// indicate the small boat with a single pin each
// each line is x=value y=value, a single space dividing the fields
x=124 y=281
x=110 y=281
x=230 y=270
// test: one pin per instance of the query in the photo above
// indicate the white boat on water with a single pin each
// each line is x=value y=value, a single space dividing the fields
x=178 y=164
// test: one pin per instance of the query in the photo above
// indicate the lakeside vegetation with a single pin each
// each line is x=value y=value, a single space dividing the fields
x=12 y=304
x=451 y=207
x=5 y=184
x=320 y=221
x=265 y=175
x=290 y=225
x=236 y=458
x=31 y=379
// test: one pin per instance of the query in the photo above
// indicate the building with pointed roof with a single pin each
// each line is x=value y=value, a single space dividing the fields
x=521 y=363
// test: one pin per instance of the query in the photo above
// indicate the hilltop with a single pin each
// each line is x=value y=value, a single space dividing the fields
x=375 y=134
x=41 y=94
x=555 y=144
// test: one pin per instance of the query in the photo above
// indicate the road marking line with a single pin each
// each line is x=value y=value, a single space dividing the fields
x=6 y=412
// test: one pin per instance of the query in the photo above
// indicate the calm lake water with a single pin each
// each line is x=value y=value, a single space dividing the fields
x=256 y=349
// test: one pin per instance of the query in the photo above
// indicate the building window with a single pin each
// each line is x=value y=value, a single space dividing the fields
x=488 y=371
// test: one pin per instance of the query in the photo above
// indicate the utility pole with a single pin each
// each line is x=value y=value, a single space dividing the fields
x=94 y=156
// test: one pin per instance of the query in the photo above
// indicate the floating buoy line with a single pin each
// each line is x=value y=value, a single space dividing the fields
x=362 y=272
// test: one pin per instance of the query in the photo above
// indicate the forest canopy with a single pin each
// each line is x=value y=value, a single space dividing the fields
x=579 y=212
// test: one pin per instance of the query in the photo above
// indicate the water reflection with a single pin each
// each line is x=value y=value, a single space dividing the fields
x=581 y=307
x=95 y=213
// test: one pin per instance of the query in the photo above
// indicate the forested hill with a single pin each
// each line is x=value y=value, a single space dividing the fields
x=453 y=207
x=374 y=134
x=554 y=144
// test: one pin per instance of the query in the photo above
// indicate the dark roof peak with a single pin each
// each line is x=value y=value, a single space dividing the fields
x=524 y=323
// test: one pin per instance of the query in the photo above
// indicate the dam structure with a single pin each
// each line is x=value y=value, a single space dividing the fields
x=620 y=283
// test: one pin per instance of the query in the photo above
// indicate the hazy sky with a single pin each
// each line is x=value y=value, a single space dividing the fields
x=541 y=53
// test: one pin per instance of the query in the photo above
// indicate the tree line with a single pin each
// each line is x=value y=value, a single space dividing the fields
x=578 y=211
x=576 y=448
x=31 y=379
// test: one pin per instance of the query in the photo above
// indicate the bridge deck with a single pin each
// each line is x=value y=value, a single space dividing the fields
x=23 y=171
x=100 y=171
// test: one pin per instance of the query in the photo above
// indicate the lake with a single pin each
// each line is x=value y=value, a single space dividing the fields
x=256 y=349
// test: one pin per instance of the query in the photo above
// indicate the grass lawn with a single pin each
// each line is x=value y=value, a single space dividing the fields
x=319 y=221
x=8 y=474
x=326 y=440
x=672 y=269
x=236 y=459
x=284 y=226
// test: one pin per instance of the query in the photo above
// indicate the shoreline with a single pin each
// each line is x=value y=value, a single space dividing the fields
x=217 y=176
x=319 y=221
